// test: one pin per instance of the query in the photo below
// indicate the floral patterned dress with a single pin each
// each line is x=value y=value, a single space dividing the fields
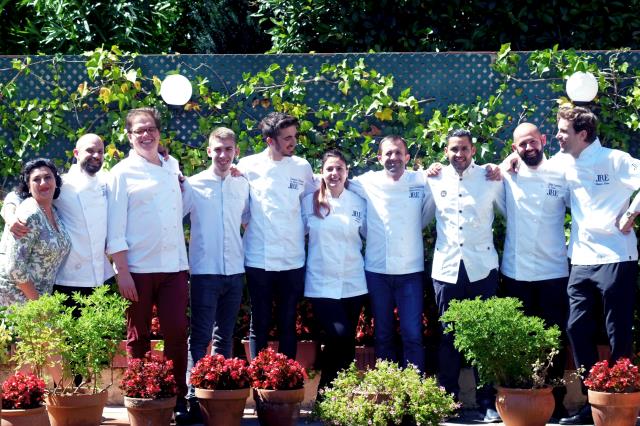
x=35 y=257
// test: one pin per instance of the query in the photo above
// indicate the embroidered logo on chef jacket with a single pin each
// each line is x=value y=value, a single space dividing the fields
x=553 y=190
x=103 y=190
x=416 y=191
x=356 y=215
x=636 y=166
x=295 y=183
x=602 y=179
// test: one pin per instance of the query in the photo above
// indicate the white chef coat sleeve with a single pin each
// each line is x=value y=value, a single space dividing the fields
x=628 y=171
x=118 y=203
x=428 y=206
x=355 y=185
x=363 y=224
x=306 y=211
x=187 y=198
x=12 y=199
x=310 y=184
x=500 y=197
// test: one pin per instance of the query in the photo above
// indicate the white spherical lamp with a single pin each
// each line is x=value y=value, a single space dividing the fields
x=175 y=89
x=582 y=87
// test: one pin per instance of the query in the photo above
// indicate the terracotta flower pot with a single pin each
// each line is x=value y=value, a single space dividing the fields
x=525 y=407
x=149 y=411
x=278 y=407
x=83 y=409
x=31 y=417
x=222 y=407
x=614 y=409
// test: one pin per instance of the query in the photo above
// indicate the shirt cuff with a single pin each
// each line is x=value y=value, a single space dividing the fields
x=116 y=245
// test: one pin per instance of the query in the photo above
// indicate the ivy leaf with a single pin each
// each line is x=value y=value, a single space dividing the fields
x=384 y=115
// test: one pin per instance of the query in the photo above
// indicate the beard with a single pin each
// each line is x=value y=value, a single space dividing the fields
x=91 y=166
x=533 y=159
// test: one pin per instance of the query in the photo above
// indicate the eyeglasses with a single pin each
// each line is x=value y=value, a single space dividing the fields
x=140 y=132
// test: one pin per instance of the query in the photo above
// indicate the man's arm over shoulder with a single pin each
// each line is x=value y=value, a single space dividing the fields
x=118 y=204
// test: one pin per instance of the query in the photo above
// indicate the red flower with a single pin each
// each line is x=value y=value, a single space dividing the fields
x=22 y=391
x=622 y=377
x=272 y=370
x=216 y=372
x=151 y=377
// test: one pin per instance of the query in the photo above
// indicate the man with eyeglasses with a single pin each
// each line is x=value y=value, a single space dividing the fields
x=146 y=241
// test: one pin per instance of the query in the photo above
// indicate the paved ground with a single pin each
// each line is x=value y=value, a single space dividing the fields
x=118 y=416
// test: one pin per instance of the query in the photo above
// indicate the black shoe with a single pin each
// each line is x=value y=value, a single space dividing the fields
x=180 y=412
x=582 y=417
x=491 y=416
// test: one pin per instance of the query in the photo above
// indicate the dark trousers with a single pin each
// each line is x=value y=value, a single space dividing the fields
x=405 y=292
x=265 y=287
x=215 y=302
x=449 y=359
x=338 y=318
x=614 y=284
x=546 y=299
x=170 y=293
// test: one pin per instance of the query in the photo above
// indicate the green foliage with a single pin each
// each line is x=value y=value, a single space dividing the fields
x=506 y=346
x=383 y=396
x=73 y=26
x=41 y=329
x=423 y=25
x=220 y=26
x=49 y=335
x=94 y=338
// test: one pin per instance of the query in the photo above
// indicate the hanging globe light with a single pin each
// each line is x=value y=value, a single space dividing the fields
x=582 y=87
x=175 y=89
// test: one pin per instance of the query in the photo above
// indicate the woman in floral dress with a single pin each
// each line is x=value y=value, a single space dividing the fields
x=31 y=262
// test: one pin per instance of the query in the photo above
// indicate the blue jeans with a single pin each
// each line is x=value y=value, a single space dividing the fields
x=406 y=293
x=285 y=288
x=215 y=302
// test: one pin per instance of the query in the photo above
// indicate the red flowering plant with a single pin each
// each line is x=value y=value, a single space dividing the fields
x=273 y=370
x=622 y=377
x=149 y=377
x=22 y=391
x=214 y=372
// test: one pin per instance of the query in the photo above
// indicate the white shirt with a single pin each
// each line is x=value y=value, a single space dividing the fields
x=145 y=216
x=274 y=239
x=82 y=207
x=464 y=220
x=335 y=268
x=601 y=181
x=535 y=247
x=217 y=207
x=396 y=213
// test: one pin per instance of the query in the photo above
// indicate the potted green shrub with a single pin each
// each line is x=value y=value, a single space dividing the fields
x=149 y=391
x=50 y=338
x=614 y=393
x=222 y=388
x=278 y=388
x=511 y=351
x=384 y=395
x=23 y=401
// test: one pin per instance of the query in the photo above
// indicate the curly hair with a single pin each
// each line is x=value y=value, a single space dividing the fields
x=22 y=188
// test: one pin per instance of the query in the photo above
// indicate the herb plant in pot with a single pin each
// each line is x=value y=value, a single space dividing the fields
x=50 y=338
x=278 y=388
x=23 y=401
x=222 y=388
x=149 y=391
x=614 y=393
x=511 y=351
x=384 y=395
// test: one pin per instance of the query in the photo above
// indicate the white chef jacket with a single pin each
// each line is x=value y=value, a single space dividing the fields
x=396 y=213
x=10 y=199
x=464 y=221
x=82 y=207
x=601 y=181
x=274 y=239
x=535 y=247
x=217 y=207
x=145 y=216
x=335 y=268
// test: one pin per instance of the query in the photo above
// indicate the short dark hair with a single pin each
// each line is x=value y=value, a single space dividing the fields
x=460 y=133
x=581 y=119
x=393 y=138
x=271 y=125
x=22 y=188
x=150 y=111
